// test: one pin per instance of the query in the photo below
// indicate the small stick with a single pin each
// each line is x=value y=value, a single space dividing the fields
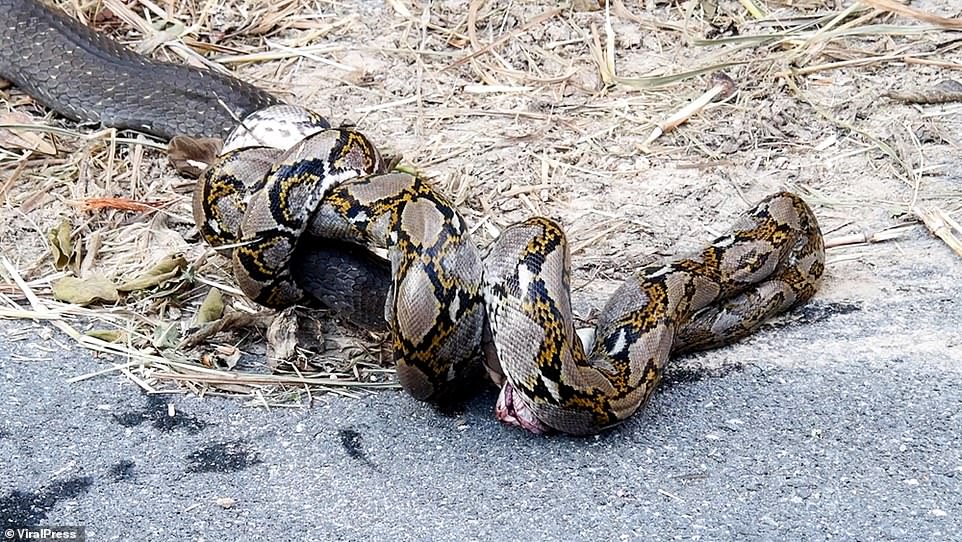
x=722 y=85
x=946 y=91
x=942 y=226
x=864 y=238
x=892 y=6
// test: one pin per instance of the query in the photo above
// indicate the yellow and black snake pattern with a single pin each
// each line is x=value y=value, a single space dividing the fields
x=770 y=260
x=260 y=200
x=447 y=303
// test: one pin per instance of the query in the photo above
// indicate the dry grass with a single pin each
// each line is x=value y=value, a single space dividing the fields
x=583 y=114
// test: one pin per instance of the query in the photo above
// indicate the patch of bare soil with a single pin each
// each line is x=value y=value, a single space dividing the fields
x=513 y=109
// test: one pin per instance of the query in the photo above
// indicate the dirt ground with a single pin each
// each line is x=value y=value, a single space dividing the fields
x=516 y=109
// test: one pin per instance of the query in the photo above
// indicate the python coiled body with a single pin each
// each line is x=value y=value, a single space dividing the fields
x=771 y=260
x=259 y=202
x=444 y=296
x=316 y=200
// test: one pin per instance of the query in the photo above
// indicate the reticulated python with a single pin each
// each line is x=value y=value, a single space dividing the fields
x=444 y=296
x=294 y=219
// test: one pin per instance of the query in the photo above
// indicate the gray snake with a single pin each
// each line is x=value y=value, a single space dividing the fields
x=87 y=77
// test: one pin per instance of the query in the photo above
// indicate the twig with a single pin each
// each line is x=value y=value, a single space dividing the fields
x=941 y=225
x=863 y=238
x=913 y=13
x=722 y=86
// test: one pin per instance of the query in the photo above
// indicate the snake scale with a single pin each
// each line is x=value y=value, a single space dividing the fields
x=299 y=217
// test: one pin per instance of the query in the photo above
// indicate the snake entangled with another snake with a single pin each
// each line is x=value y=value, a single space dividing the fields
x=296 y=213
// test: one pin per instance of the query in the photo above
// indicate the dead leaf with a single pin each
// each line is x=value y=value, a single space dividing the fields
x=165 y=336
x=167 y=269
x=191 y=156
x=61 y=245
x=95 y=287
x=282 y=338
x=109 y=335
x=24 y=138
x=212 y=308
x=230 y=321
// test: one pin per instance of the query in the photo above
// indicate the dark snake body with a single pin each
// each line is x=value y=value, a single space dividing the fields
x=87 y=77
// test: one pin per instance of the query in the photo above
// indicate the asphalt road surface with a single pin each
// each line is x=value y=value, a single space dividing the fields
x=840 y=423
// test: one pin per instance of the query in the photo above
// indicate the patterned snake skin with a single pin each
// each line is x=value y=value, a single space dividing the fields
x=296 y=204
x=262 y=204
x=769 y=261
x=445 y=297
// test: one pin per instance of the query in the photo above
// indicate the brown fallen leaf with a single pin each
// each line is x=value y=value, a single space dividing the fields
x=61 y=245
x=168 y=268
x=25 y=138
x=230 y=321
x=211 y=309
x=94 y=288
x=282 y=338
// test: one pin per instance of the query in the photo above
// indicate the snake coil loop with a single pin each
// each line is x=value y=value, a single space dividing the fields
x=442 y=297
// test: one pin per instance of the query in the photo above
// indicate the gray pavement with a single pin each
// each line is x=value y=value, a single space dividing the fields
x=841 y=422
